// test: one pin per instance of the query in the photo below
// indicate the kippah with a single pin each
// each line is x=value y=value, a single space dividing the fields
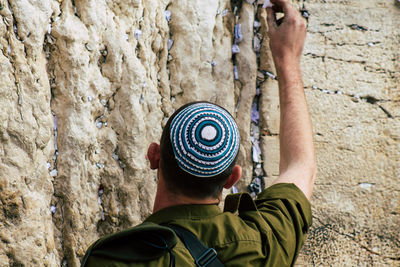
x=205 y=139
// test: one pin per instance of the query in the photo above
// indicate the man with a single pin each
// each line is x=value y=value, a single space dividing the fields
x=196 y=159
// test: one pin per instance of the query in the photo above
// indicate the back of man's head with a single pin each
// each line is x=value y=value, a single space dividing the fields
x=199 y=148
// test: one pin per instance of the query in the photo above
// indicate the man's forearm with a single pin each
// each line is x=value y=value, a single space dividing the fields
x=296 y=138
x=297 y=157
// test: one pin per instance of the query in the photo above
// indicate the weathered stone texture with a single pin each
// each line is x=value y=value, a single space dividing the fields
x=86 y=86
x=352 y=75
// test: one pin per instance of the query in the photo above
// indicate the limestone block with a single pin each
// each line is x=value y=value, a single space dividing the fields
x=247 y=71
x=200 y=67
x=352 y=51
x=355 y=199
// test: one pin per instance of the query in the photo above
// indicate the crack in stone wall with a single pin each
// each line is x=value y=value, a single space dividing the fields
x=86 y=86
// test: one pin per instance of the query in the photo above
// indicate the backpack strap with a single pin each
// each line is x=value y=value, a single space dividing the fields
x=203 y=256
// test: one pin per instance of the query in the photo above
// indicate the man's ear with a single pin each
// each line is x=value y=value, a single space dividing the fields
x=153 y=155
x=234 y=177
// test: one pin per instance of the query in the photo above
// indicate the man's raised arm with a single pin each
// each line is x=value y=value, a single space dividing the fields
x=297 y=156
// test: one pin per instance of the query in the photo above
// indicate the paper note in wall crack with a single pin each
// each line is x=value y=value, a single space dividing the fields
x=267 y=3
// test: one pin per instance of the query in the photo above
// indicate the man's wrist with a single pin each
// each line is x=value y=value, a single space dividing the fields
x=288 y=71
x=286 y=64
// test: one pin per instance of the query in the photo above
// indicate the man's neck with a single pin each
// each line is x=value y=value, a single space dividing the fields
x=165 y=199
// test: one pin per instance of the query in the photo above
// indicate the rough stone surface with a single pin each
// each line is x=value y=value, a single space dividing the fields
x=353 y=49
x=87 y=85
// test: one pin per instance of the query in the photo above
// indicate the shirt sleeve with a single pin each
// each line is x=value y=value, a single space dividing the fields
x=287 y=214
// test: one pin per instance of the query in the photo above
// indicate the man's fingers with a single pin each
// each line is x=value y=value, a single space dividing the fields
x=271 y=19
x=279 y=21
x=282 y=6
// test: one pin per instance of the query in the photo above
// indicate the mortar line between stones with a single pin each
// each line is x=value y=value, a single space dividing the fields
x=169 y=58
x=257 y=183
x=258 y=166
x=355 y=98
x=57 y=203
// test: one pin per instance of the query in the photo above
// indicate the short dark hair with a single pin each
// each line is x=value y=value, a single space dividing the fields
x=180 y=182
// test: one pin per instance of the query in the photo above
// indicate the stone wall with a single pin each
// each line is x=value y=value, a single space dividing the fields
x=87 y=85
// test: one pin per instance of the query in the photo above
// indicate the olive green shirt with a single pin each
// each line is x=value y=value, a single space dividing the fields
x=267 y=232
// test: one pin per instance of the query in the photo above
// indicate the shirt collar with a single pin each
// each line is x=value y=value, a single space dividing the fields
x=184 y=212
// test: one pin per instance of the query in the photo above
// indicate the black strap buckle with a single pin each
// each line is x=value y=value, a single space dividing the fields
x=207 y=257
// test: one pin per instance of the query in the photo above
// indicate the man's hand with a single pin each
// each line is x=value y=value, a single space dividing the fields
x=286 y=35
x=297 y=157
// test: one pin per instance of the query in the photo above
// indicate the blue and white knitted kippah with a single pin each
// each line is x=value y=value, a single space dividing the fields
x=205 y=139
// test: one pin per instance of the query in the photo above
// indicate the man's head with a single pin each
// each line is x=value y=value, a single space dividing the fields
x=198 y=151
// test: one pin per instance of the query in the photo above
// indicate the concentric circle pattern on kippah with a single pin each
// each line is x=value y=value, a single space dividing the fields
x=205 y=139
